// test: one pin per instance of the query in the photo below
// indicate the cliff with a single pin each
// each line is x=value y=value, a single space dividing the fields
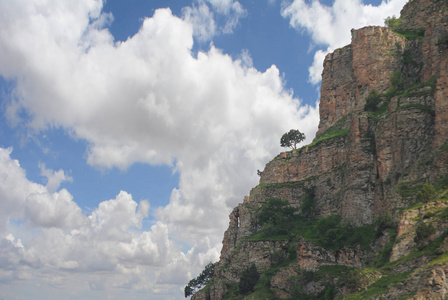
x=361 y=212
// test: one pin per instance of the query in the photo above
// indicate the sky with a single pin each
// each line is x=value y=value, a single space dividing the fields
x=130 y=129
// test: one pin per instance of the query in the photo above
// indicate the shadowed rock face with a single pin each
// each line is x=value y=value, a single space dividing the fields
x=362 y=165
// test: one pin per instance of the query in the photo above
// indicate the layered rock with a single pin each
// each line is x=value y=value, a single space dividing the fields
x=352 y=72
x=365 y=166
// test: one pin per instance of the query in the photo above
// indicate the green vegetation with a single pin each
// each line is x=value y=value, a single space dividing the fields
x=292 y=138
x=393 y=22
x=331 y=233
x=199 y=282
x=275 y=212
x=308 y=207
x=380 y=286
x=337 y=130
x=329 y=134
x=423 y=232
x=408 y=189
x=372 y=101
x=249 y=278
x=377 y=104
x=396 y=25
x=280 y=221
x=427 y=193
x=385 y=224
x=443 y=42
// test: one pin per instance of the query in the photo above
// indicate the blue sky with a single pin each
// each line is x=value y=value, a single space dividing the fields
x=130 y=129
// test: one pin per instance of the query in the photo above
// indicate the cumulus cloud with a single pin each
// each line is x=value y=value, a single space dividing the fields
x=329 y=26
x=148 y=99
x=54 y=178
x=62 y=239
x=203 y=18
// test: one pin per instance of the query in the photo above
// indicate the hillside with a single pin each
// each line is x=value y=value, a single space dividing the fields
x=361 y=212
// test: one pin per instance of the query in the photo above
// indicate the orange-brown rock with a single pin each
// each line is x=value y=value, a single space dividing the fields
x=364 y=166
x=352 y=72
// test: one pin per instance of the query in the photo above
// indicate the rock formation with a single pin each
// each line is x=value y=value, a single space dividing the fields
x=379 y=163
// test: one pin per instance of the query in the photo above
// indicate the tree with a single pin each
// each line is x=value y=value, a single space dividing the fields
x=427 y=193
x=249 y=279
x=199 y=282
x=392 y=22
x=275 y=212
x=292 y=138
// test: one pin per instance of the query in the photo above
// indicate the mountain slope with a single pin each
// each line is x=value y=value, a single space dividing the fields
x=361 y=212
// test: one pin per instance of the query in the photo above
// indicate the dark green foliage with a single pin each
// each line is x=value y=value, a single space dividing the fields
x=410 y=34
x=408 y=189
x=280 y=222
x=249 y=279
x=385 y=224
x=442 y=183
x=427 y=193
x=396 y=80
x=408 y=60
x=423 y=232
x=199 y=282
x=443 y=42
x=292 y=138
x=308 y=207
x=330 y=233
x=372 y=101
x=275 y=212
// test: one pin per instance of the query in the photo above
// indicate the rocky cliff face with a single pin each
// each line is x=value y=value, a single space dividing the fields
x=379 y=162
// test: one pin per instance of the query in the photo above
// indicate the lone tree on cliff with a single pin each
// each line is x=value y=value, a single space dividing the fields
x=199 y=282
x=292 y=138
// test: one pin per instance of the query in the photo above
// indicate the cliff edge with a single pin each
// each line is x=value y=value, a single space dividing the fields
x=361 y=212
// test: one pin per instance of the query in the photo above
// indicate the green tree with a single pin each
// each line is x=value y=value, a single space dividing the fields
x=422 y=233
x=275 y=212
x=427 y=193
x=372 y=101
x=199 y=282
x=249 y=279
x=392 y=22
x=292 y=138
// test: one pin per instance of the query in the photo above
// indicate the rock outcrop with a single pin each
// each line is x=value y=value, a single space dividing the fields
x=381 y=149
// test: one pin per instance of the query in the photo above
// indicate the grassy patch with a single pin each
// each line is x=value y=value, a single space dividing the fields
x=329 y=134
x=411 y=34
x=380 y=286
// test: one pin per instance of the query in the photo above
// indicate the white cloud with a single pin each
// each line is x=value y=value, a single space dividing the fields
x=147 y=100
x=54 y=179
x=329 y=26
x=204 y=20
x=59 y=241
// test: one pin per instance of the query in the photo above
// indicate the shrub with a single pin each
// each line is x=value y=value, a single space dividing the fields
x=249 y=278
x=427 y=193
x=308 y=207
x=372 y=101
x=396 y=80
x=423 y=231
x=392 y=22
x=275 y=212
